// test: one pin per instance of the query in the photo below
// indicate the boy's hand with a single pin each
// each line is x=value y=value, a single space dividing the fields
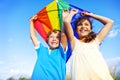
x=33 y=18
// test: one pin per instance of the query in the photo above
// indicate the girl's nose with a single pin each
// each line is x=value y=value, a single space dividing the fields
x=82 y=27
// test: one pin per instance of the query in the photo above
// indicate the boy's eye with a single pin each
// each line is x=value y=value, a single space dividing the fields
x=51 y=36
x=58 y=37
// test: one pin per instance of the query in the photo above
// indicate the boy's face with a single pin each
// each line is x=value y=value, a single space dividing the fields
x=54 y=40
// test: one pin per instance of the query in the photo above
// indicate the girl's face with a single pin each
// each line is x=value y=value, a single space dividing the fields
x=84 y=28
x=54 y=40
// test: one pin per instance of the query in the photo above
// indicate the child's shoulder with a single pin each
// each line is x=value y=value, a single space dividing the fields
x=40 y=45
x=97 y=41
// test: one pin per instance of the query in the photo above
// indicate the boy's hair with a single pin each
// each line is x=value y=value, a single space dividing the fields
x=91 y=36
x=53 y=31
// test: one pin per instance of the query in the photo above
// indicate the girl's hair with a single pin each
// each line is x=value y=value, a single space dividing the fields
x=91 y=36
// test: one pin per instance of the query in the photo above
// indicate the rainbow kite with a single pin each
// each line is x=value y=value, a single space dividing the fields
x=50 y=17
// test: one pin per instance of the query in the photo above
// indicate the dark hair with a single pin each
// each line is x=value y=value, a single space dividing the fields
x=82 y=19
x=91 y=36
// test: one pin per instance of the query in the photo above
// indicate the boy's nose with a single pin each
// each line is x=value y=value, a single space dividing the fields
x=54 y=39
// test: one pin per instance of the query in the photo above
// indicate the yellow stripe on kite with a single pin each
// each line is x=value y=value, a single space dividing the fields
x=53 y=15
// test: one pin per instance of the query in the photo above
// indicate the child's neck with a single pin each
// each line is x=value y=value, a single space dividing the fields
x=53 y=48
x=82 y=39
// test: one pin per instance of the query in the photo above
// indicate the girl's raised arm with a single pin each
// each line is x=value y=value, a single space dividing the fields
x=108 y=23
x=67 y=17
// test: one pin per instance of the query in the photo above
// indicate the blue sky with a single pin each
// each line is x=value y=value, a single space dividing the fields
x=17 y=53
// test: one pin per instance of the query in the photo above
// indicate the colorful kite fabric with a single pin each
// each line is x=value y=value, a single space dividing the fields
x=50 y=17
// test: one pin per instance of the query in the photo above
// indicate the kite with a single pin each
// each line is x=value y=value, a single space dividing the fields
x=50 y=17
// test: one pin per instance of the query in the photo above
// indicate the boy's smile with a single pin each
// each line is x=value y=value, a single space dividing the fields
x=54 y=40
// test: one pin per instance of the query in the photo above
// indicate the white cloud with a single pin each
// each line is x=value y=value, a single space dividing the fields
x=10 y=40
x=114 y=65
x=114 y=33
x=113 y=61
x=16 y=70
x=16 y=73
x=1 y=62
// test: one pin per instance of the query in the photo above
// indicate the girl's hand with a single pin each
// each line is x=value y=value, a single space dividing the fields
x=74 y=11
x=85 y=13
x=65 y=14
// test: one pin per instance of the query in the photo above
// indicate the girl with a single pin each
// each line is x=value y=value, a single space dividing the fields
x=86 y=62
x=51 y=62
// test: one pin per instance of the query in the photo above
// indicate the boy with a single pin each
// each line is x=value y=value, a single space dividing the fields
x=51 y=62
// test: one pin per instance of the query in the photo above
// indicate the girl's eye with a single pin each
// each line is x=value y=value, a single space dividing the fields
x=86 y=24
x=80 y=24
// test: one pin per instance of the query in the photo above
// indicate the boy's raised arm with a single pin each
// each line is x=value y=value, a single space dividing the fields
x=32 y=31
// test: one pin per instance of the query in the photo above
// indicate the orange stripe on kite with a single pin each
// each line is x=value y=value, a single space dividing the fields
x=48 y=20
x=44 y=18
x=43 y=24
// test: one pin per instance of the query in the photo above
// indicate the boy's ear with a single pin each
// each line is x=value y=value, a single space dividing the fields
x=47 y=39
